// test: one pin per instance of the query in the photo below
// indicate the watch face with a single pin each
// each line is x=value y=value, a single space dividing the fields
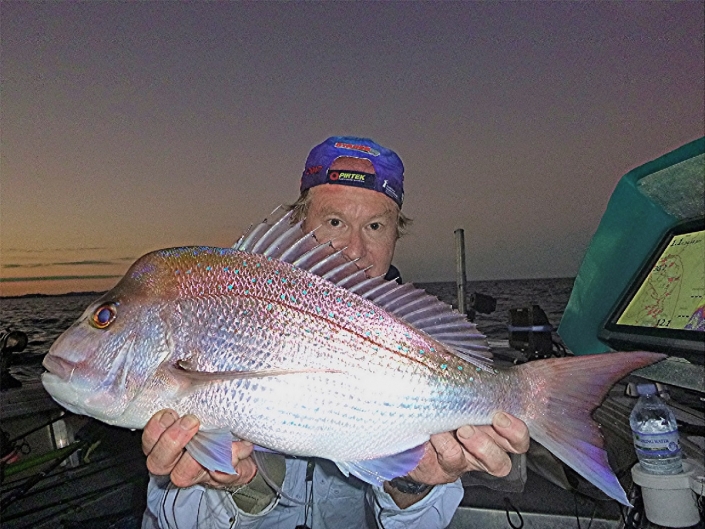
x=409 y=486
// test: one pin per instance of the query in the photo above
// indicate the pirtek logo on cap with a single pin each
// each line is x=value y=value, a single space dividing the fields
x=348 y=176
x=352 y=178
x=352 y=146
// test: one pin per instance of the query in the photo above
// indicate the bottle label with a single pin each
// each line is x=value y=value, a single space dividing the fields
x=657 y=444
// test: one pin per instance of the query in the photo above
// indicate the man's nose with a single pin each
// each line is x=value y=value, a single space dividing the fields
x=353 y=246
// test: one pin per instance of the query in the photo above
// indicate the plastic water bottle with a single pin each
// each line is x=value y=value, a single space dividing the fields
x=655 y=433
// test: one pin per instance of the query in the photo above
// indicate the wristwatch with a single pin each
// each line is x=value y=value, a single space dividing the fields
x=409 y=486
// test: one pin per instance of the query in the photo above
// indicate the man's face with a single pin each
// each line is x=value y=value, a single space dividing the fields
x=362 y=221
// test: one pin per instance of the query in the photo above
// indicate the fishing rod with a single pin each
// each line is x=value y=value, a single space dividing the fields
x=61 y=415
x=59 y=456
x=78 y=503
x=80 y=472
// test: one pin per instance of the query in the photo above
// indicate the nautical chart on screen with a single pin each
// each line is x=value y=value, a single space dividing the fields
x=672 y=296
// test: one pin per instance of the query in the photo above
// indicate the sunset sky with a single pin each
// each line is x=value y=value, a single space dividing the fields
x=132 y=126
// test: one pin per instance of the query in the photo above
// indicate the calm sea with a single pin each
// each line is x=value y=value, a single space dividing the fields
x=44 y=318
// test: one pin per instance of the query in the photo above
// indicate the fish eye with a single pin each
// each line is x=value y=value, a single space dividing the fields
x=104 y=315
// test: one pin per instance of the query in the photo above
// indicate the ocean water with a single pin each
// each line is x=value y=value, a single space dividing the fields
x=550 y=294
x=43 y=319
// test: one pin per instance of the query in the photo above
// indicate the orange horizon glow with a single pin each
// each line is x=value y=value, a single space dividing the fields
x=514 y=121
x=56 y=286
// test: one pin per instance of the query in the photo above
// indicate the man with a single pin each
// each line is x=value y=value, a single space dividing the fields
x=351 y=194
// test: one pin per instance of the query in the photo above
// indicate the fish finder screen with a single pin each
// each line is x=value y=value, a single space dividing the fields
x=672 y=295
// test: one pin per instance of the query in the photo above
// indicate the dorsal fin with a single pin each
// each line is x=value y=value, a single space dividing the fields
x=278 y=238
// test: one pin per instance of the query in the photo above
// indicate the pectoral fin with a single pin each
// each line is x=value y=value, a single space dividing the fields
x=213 y=449
x=185 y=369
x=377 y=471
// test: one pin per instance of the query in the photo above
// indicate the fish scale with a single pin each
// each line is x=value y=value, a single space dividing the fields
x=349 y=328
x=277 y=352
x=270 y=311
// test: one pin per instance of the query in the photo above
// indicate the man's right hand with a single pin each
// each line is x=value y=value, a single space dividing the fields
x=163 y=441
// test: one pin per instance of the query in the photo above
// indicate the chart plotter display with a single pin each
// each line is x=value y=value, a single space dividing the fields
x=672 y=295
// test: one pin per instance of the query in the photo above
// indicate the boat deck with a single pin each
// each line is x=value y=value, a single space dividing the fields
x=110 y=491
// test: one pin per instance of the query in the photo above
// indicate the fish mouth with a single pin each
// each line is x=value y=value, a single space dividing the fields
x=58 y=366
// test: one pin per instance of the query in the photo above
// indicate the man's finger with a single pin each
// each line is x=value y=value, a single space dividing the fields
x=241 y=450
x=170 y=447
x=449 y=452
x=488 y=455
x=514 y=438
x=188 y=472
x=513 y=431
x=246 y=470
x=155 y=427
x=443 y=461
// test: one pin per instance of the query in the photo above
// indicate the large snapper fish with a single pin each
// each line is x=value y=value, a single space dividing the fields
x=283 y=342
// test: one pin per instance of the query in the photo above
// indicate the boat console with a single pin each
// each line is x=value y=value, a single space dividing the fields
x=641 y=286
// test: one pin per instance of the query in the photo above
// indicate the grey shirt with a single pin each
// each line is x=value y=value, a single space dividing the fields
x=337 y=503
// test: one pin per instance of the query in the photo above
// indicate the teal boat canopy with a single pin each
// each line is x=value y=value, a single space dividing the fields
x=648 y=206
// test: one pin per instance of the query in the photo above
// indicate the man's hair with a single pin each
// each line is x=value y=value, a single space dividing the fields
x=300 y=210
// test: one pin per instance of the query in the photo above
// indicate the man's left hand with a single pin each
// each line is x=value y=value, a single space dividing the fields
x=451 y=454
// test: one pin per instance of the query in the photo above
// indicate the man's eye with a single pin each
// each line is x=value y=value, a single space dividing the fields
x=375 y=226
x=334 y=222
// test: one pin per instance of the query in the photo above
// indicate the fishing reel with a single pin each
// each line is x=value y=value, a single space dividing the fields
x=10 y=342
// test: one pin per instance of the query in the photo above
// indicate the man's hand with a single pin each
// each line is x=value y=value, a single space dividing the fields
x=163 y=441
x=451 y=454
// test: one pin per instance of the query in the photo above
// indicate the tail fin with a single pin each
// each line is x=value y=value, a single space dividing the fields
x=559 y=416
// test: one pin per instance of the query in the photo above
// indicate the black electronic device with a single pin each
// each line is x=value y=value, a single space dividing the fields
x=663 y=309
x=530 y=332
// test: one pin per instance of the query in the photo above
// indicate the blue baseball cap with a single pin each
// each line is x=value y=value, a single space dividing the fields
x=389 y=169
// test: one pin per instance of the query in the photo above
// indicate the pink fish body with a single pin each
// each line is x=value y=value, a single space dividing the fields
x=284 y=343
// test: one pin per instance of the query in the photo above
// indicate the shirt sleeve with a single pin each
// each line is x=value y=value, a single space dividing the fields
x=169 y=506
x=433 y=511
